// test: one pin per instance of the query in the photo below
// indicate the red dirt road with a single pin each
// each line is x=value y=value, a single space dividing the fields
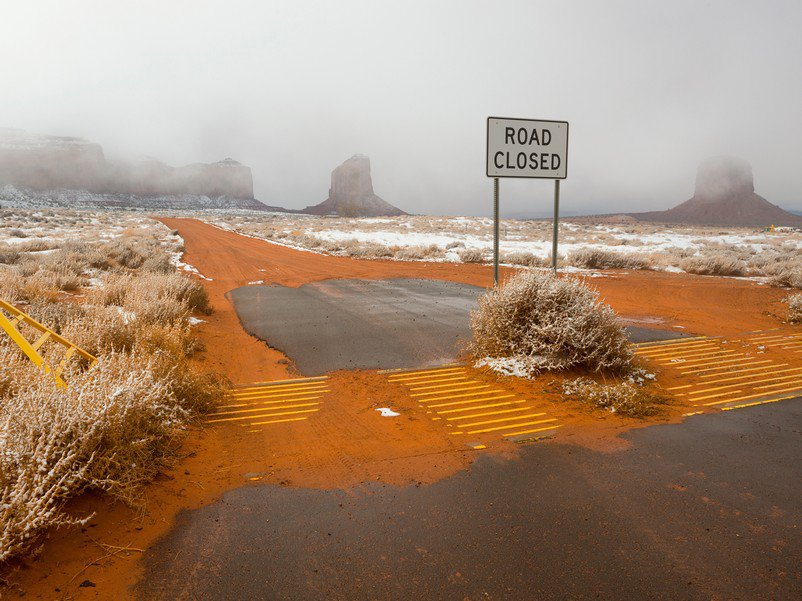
x=703 y=305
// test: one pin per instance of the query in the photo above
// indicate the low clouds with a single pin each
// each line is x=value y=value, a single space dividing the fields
x=293 y=89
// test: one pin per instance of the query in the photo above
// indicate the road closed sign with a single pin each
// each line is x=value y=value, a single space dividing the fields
x=527 y=148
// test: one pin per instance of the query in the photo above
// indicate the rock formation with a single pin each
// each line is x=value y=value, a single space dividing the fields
x=351 y=193
x=52 y=163
x=724 y=195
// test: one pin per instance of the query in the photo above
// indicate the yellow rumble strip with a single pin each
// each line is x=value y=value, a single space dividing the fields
x=268 y=403
x=470 y=406
x=729 y=374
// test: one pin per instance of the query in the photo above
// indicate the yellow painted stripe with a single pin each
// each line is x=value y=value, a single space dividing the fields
x=474 y=408
x=497 y=428
x=263 y=409
x=680 y=387
x=782 y=398
x=702 y=352
x=289 y=384
x=530 y=431
x=473 y=415
x=500 y=420
x=765 y=373
x=776 y=385
x=429 y=379
x=708 y=348
x=669 y=343
x=792 y=346
x=776 y=337
x=424 y=372
x=712 y=396
x=712 y=360
x=699 y=370
x=756 y=396
x=666 y=350
x=741 y=371
x=407 y=372
x=459 y=396
x=236 y=405
x=280 y=421
x=777 y=379
x=672 y=341
x=257 y=397
x=679 y=348
x=269 y=393
x=449 y=382
x=233 y=419
x=437 y=394
x=451 y=403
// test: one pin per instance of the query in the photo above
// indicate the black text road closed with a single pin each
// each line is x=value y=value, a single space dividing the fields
x=527 y=148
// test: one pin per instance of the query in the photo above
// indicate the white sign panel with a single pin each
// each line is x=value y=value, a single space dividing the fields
x=527 y=148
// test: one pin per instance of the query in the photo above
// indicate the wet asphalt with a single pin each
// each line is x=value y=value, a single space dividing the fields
x=368 y=324
x=706 y=509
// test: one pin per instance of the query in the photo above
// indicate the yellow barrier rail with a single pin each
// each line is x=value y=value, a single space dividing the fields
x=31 y=349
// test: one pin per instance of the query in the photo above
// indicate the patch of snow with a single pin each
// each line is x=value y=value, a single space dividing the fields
x=193 y=321
x=128 y=316
x=387 y=412
x=256 y=283
x=506 y=366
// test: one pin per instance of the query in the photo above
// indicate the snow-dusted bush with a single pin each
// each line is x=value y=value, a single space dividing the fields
x=623 y=397
x=109 y=431
x=715 y=264
x=546 y=322
x=795 y=308
x=117 y=423
x=471 y=255
x=595 y=258
x=788 y=279
x=525 y=258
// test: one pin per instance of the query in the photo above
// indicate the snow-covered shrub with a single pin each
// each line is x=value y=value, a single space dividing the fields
x=788 y=279
x=111 y=431
x=471 y=255
x=595 y=258
x=118 y=423
x=795 y=308
x=524 y=258
x=715 y=264
x=546 y=322
x=366 y=250
x=622 y=397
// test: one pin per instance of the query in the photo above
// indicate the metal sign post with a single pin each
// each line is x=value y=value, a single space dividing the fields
x=526 y=148
x=495 y=231
x=556 y=225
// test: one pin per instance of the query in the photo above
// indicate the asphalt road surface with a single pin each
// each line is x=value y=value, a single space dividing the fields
x=706 y=509
x=368 y=324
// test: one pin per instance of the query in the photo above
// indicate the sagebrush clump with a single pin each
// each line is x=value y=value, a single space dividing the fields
x=795 y=308
x=549 y=323
x=624 y=397
x=594 y=258
x=120 y=421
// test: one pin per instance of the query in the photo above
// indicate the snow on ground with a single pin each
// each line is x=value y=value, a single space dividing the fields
x=451 y=235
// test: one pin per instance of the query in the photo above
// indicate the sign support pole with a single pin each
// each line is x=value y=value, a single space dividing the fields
x=495 y=231
x=556 y=225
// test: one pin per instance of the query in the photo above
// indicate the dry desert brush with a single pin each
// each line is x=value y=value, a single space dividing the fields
x=795 y=308
x=627 y=397
x=544 y=322
x=119 y=422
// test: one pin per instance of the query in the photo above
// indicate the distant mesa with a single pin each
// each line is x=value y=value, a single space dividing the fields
x=724 y=195
x=49 y=163
x=351 y=193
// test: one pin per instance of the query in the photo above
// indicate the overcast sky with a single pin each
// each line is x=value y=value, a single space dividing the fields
x=293 y=88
